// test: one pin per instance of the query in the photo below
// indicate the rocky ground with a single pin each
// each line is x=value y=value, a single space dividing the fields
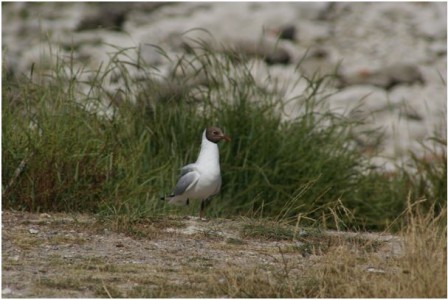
x=391 y=56
x=63 y=255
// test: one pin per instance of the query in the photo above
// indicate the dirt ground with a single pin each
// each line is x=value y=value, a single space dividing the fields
x=73 y=255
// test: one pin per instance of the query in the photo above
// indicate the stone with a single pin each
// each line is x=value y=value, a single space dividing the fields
x=358 y=99
x=318 y=61
x=311 y=32
x=287 y=32
x=313 y=10
x=109 y=16
x=33 y=231
x=6 y=291
x=375 y=270
x=431 y=23
x=385 y=77
x=437 y=48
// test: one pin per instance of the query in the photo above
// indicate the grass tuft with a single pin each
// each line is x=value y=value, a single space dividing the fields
x=418 y=270
x=107 y=143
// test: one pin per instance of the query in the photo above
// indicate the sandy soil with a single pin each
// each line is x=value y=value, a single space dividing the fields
x=63 y=255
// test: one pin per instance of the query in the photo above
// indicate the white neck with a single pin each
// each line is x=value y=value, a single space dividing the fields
x=209 y=154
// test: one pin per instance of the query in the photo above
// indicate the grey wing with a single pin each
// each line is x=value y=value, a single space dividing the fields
x=185 y=182
x=186 y=169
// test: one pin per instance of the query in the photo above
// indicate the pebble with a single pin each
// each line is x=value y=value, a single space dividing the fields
x=375 y=270
x=287 y=32
x=15 y=258
x=385 y=77
x=108 y=15
x=33 y=231
x=6 y=291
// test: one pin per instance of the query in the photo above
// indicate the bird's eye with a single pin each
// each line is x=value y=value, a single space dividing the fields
x=215 y=132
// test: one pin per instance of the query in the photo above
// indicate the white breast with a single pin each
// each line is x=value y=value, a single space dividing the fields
x=209 y=182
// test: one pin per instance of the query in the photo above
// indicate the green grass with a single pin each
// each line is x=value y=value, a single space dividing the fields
x=59 y=154
x=268 y=231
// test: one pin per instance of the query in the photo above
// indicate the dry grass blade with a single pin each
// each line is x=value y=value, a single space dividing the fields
x=416 y=266
x=17 y=173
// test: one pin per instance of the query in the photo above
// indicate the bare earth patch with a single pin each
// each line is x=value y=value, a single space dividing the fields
x=73 y=255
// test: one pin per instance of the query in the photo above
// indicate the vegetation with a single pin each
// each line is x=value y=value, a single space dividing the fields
x=70 y=144
x=179 y=257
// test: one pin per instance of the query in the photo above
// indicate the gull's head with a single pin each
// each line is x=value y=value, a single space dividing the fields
x=214 y=135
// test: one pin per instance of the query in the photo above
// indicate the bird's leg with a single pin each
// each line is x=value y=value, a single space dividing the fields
x=204 y=204
x=201 y=211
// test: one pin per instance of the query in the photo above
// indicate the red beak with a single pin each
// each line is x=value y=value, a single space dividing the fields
x=226 y=138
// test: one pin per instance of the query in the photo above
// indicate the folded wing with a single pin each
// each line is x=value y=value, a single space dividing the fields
x=185 y=183
x=189 y=176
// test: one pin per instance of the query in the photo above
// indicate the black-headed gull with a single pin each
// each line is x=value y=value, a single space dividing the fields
x=202 y=179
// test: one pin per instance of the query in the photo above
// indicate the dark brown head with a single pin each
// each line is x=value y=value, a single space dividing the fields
x=214 y=135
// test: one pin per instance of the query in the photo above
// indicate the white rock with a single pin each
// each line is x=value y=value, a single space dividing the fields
x=375 y=270
x=15 y=258
x=309 y=32
x=6 y=291
x=311 y=10
x=437 y=48
x=431 y=22
x=33 y=231
x=364 y=98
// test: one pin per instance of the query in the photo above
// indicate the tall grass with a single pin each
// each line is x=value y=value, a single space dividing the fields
x=61 y=154
x=419 y=271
